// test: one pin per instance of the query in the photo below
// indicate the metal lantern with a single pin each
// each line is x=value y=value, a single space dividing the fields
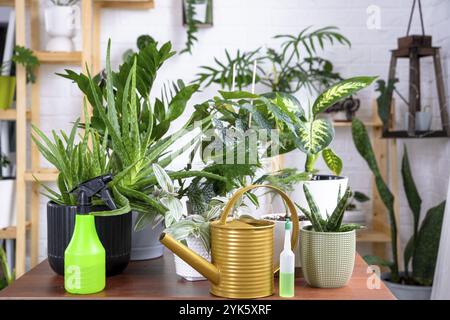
x=415 y=47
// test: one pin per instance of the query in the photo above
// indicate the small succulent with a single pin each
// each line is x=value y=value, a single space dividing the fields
x=333 y=222
x=64 y=3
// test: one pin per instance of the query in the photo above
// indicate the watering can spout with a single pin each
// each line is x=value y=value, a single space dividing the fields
x=203 y=266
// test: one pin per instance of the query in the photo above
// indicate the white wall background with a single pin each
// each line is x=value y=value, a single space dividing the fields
x=249 y=24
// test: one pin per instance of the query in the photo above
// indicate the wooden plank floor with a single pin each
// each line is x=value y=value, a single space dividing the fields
x=156 y=279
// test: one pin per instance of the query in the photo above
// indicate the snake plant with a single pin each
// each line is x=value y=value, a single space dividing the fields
x=333 y=222
x=422 y=247
x=8 y=276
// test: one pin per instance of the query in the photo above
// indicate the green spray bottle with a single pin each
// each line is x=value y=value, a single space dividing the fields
x=85 y=258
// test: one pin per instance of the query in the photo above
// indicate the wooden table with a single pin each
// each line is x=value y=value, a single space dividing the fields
x=156 y=279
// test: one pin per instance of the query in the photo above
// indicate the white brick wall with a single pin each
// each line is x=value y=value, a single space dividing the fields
x=251 y=23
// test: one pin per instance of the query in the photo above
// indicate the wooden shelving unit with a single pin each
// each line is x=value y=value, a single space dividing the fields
x=89 y=56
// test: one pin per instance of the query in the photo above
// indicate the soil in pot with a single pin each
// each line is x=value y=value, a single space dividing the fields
x=403 y=291
x=114 y=233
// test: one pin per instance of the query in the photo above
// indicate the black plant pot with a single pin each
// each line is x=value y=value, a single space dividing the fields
x=114 y=233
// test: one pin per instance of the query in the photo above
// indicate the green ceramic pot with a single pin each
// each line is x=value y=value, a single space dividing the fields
x=7 y=88
x=327 y=257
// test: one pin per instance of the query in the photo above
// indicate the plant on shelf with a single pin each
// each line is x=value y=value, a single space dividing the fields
x=284 y=70
x=422 y=248
x=21 y=56
x=7 y=276
x=384 y=100
x=328 y=245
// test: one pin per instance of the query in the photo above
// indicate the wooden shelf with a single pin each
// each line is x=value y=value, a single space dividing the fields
x=127 y=4
x=44 y=175
x=372 y=236
x=349 y=124
x=10 y=232
x=59 y=57
x=11 y=114
x=418 y=135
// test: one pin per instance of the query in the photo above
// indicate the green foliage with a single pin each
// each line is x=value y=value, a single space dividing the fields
x=333 y=223
x=191 y=24
x=314 y=134
x=198 y=224
x=422 y=247
x=8 y=276
x=385 y=98
x=356 y=196
x=364 y=147
x=285 y=69
x=427 y=246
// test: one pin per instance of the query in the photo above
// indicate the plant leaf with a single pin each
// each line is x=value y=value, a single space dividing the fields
x=332 y=160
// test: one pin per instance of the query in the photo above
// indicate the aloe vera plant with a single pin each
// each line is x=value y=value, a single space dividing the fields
x=422 y=248
x=333 y=222
x=136 y=128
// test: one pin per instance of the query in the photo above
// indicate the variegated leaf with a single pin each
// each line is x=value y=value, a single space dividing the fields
x=315 y=135
x=340 y=91
x=163 y=178
x=332 y=160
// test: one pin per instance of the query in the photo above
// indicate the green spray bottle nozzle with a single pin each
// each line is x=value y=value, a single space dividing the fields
x=97 y=186
x=85 y=256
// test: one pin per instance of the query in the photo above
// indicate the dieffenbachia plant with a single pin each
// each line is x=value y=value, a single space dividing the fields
x=314 y=135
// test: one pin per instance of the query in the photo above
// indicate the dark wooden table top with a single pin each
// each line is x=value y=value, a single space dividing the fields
x=156 y=279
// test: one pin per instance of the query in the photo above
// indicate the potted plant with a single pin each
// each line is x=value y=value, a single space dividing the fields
x=195 y=13
x=353 y=212
x=327 y=246
x=136 y=136
x=422 y=249
x=61 y=21
x=76 y=163
x=24 y=57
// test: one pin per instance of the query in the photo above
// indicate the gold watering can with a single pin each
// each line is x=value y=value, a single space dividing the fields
x=241 y=250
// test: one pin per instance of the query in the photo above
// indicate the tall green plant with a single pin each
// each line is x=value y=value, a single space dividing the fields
x=136 y=128
x=364 y=147
x=423 y=246
x=8 y=276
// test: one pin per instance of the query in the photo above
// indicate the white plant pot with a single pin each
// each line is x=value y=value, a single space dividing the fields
x=422 y=121
x=354 y=216
x=186 y=271
x=279 y=238
x=61 y=23
x=7 y=203
x=406 y=292
x=145 y=243
x=324 y=191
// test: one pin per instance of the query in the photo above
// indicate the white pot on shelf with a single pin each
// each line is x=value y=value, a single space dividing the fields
x=325 y=191
x=422 y=121
x=7 y=203
x=61 y=23
x=186 y=271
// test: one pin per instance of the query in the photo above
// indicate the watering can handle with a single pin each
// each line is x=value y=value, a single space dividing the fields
x=294 y=217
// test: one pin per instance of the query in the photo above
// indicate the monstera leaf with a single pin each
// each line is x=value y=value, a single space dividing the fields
x=315 y=135
x=340 y=91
